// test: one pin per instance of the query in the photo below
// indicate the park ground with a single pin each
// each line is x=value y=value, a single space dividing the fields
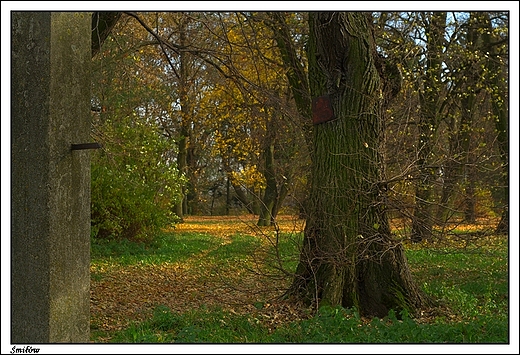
x=230 y=264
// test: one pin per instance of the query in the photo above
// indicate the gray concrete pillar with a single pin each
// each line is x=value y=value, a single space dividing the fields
x=50 y=183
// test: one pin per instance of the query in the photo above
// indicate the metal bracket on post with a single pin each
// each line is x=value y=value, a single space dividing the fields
x=83 y=146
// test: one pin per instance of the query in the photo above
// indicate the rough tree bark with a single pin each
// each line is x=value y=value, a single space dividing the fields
x=348 y=257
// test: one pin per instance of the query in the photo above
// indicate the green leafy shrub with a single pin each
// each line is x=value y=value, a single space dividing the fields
x=135 y=182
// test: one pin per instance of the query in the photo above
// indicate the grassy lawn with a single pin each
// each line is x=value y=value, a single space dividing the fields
x=219 y=280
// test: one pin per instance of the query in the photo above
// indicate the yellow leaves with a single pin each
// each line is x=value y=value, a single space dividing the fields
x=250 y=177
x=225 y=226
x=234 y=126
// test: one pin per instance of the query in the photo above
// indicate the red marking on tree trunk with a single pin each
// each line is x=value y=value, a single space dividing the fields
x=322 y=110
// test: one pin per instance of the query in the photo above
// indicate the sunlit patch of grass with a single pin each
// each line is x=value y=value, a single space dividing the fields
x=166 y=247
x=239 y=247
x=224 y=226
x=471 y=282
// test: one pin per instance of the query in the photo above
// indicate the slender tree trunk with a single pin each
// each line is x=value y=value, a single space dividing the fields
x=228 y=196
x=270 y=197
x=467 y=157
x=451 y=175
x=299 y=85
x=182 y=166
x=192 y=200
x=282 y=194
x=242 y=197
x=239 y=192
x=182 y=155
x=256 y=201
x=461 y=168
x=296 y=75
x=468 y=107
x=503 y=143
x=470 y=200
x=429 y=111
x=348 y=257
x=274 y=194
x=499 y=101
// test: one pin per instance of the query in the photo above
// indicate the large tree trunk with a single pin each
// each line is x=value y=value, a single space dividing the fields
x=348 y=256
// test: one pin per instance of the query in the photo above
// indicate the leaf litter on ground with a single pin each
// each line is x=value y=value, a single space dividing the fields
x=122 y=294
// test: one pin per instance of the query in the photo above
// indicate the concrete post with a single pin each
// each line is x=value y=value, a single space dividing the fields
x=50 y=183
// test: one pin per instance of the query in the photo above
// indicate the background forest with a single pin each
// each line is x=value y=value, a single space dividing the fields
x=263 y=175
x=198 y=114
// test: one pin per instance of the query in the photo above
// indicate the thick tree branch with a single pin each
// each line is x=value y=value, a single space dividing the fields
x=102 y=25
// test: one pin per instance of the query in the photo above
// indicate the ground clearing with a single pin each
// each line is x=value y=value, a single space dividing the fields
x=121 y=294
x=210 y=262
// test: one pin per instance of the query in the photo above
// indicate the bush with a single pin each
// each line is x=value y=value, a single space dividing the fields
x=134 y=184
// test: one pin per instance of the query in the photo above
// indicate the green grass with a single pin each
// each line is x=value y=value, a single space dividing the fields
x=330 y=325
x=240 y=248
x=337 y=325
x=167 y=247
x=472 y=283
x=195 y=326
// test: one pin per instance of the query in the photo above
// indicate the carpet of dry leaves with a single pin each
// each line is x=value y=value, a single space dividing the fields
x=130 y=293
